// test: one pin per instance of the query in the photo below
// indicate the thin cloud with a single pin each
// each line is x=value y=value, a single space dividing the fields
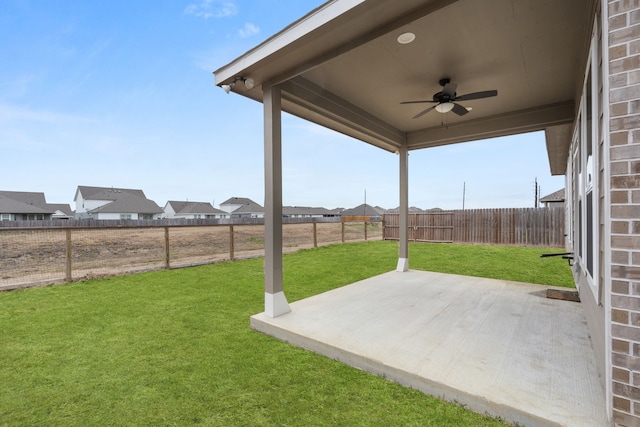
x=248 y=30
x=212 y=9
x=10 y=112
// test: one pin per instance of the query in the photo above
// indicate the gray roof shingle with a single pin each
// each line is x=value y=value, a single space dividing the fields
x=194 y=208
x=304 y=210
x=247 y=205
x=362 y=210
x=12 y=206
x=556 y=196
x=30 y=198
x=130 y=203
x=106 y=193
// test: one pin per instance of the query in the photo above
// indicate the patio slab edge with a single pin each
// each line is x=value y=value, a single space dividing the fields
x=479 y=404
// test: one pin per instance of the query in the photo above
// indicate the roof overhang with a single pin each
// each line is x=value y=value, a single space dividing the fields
x=342 y=67
x=558 y=139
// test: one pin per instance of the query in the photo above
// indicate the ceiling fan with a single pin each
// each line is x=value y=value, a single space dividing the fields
x=445 y=100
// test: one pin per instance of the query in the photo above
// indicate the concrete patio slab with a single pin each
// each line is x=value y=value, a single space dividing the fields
x=495 y=346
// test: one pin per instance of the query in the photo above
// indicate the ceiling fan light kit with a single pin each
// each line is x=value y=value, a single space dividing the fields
x=445 y=107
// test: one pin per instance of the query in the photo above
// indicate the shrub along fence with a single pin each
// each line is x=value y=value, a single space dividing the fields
x=44 y=252
x=520 y=226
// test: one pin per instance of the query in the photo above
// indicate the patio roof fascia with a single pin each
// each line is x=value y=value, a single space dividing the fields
x=286 y=37
x=530 y=120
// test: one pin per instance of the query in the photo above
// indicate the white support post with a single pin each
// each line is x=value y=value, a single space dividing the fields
x=275 y=302
x=403 y=241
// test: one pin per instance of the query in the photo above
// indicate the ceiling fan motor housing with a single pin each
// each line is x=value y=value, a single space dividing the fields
x=442 y=97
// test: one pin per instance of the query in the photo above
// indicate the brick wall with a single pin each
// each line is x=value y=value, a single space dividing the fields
x=624 y=128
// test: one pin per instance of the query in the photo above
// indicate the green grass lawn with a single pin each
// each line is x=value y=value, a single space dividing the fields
x=175 y=348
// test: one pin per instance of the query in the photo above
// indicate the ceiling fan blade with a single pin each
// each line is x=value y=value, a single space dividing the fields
x=422 y=113
x=477 y=95
x=449 y=89
x=417 y=102
x=459 y=109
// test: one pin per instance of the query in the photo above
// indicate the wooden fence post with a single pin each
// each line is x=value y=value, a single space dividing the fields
x=232 y=254
x=167 y=260
x=342 y=231
x=315 y=234
x=68 y=271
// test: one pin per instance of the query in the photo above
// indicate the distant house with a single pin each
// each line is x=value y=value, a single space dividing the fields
x=307 y=212
x=23 y=205
x=554 y=199
x=412 y=210
x=364 y=210
x=114 y=204
x=61 y=211
x=193 y=210
x=241 y=207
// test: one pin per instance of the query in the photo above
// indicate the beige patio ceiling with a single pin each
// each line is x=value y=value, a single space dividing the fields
x=342 y=67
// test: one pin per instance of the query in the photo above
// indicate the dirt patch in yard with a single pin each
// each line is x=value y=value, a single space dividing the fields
x=34 y=257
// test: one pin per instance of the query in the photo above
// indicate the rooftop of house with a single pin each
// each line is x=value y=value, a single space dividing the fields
x=12 y=206
x=305 y=210
x=556 y=196
x=244 y=204
x=362 y=210
x=130 y=203
x=239 y=201
x=26 y=202
x=186 y=207
x=106 y=193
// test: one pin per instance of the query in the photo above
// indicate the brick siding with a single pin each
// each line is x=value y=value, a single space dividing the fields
x=624 y=154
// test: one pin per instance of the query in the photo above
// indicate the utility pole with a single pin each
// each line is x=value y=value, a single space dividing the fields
x=364 y=208
x=535 y=193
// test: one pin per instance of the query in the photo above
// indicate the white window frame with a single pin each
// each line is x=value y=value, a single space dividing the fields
x=582 y=135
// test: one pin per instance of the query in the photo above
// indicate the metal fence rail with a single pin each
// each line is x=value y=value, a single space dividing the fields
x=44 y=252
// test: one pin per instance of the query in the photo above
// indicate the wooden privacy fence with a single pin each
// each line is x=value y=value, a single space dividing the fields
x=515 y=226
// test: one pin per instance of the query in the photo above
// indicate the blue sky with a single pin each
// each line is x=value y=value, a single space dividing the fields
x=121 y=93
